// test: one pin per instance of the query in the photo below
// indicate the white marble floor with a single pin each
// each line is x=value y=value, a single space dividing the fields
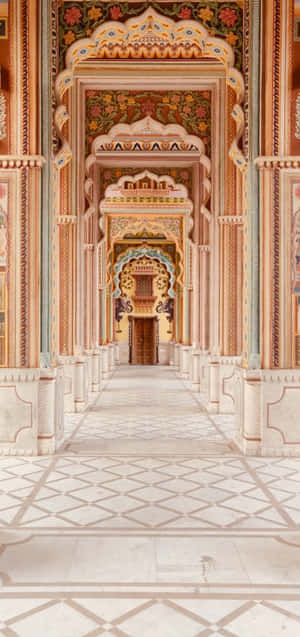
x=149 y=522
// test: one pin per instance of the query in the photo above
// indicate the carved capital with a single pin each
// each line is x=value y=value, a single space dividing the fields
x=63 y=220
x=271 y=162
x=21 y=161
x=233 y=220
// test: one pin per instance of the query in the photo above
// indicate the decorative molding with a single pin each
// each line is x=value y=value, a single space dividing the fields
x=204 y=248
x=234 y=220
x=63 y=220
x=3 y=117
x=288 y=161
x=22 y=161
x=18 y=375
x=89 y=247
x=137 y=137
x=297 y=131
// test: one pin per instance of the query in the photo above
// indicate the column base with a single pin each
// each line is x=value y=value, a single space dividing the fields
x=31 y=411
x=267 y=411
x=185 y=356
x=76 y=376
x=220 y=371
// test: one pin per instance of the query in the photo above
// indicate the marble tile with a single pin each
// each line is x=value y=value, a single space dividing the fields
x=148 y=521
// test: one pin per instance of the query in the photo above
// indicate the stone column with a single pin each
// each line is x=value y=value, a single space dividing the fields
x=177 y=348
x=80 y=384
x=116 y=353
x=105 y=362
x=172 y=353
x=196 y=370
x=213 y=385
x=204 y=299
x=185 y=361
x=96 y=371
x=111 y=358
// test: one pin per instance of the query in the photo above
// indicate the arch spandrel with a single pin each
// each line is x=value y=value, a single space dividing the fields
x=176 y=40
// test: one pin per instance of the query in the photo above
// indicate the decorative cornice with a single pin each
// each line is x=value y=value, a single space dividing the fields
x=287 y=161
x=63 y=220
x=234 y=220
x=22 y=161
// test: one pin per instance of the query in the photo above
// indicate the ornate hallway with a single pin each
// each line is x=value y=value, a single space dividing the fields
x=148 y=521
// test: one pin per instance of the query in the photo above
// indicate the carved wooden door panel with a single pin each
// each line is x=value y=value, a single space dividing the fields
x=138 y=342
x=149 y=341
x=144 y=346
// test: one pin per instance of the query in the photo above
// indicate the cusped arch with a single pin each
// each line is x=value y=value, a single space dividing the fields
x=150 y=35
x=144 y=134
x=133 y=254
x=158 y=179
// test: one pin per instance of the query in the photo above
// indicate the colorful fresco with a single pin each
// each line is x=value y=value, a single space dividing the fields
x=110 y=176
x=190 y=109
x=3 y=223
x=79 y=19
x=150 y=253
x=296 y=242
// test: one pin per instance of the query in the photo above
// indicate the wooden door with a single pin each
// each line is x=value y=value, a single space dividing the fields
x=143 y=341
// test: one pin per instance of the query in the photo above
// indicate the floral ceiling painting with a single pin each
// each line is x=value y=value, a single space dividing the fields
x=190 y=109
x=79 y=19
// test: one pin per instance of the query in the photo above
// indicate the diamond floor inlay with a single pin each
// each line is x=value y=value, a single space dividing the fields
x=149 y=522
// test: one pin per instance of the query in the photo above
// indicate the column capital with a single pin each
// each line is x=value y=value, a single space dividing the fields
x=21 y=161
x=265 y=162
x=233 y=220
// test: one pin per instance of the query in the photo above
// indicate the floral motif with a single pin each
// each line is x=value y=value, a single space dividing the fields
x=115 y=12
x=231 y=38
x=185 y=13
x=225 y=21
x=228 y=16
x=69 y=37
x=200 y=111
x=190 y=109
x=206 y=14
x=148 y=107
x=95 y=13
x=72 y=16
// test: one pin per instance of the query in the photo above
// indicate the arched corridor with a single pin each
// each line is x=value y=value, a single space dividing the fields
x=149 y=318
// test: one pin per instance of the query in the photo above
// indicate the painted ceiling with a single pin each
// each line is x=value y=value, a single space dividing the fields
x=79 y=19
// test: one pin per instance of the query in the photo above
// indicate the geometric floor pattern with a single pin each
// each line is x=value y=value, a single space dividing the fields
x=148 y=521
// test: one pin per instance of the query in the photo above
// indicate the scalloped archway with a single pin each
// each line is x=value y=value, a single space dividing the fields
x=143 y=251
x=184 y=39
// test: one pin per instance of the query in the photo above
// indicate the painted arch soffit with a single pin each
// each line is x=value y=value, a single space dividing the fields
x=148 y=134
x=137 y=253
x=169 y=39
x=142 y=131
